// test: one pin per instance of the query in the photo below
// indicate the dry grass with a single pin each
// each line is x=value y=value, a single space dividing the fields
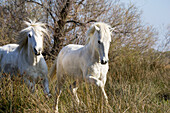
x=131 y=86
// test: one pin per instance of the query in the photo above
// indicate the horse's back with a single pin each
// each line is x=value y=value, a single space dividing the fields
x=8 y=56
x=71 y=48
x=4 y=50
x=8 y=47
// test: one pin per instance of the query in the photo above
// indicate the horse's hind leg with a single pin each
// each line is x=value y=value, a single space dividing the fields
x=59 y=85
x=57 y=100
x=73 y=89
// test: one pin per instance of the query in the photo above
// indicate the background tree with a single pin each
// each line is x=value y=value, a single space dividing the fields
x=11 y=17
x=68 y=21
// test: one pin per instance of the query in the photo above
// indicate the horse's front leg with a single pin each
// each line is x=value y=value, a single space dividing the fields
x=43 y=70
x=31 y=85
x=46 y=86
x=93 y=80
x=59 y=85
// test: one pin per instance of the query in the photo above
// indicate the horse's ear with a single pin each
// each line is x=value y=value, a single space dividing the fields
x=91 y=31
x=97 y=28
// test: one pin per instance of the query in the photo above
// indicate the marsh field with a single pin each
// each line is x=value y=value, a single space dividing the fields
x=132 y=86
x=138 y=80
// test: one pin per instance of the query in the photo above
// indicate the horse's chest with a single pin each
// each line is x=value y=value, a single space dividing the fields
x=33 y=73
x=97 y=70
x=94 y=70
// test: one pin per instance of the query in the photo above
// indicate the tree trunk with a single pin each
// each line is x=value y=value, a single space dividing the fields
x=59 y=30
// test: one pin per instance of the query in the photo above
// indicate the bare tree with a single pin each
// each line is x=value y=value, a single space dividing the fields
x=65 y=16
x=68 y=21
x=11 y=17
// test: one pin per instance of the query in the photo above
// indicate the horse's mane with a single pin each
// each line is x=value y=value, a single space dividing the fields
x=22 y=38
x=104 y=28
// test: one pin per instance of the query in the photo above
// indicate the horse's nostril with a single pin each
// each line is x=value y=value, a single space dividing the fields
x=103 y=61
x=36 y=52
x=39 y=49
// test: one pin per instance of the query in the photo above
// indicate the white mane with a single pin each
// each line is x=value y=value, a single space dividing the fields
x=104 y=29
x=37 y=27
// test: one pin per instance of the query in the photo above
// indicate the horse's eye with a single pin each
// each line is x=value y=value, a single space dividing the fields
x=99 y=42
x=29 y=35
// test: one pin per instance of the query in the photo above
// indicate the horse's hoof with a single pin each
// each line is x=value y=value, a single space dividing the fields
x=56 y=112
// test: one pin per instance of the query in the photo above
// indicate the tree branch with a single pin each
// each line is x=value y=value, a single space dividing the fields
x=76 y=23
x=31 y=1
x=91 y=21
x=79 y=23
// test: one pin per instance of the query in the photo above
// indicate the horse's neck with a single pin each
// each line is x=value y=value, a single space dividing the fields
x=91 y=49
x=28 y=56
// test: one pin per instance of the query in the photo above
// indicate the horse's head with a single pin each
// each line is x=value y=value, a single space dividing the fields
x=35 y=41
x=32 y=36
x=101 y=38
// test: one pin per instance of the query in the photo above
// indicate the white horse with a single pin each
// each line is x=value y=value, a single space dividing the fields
x=25 y=57
x=84 y=63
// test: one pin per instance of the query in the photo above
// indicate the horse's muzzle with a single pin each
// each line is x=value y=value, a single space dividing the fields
x=36 y=52
x=104 y=62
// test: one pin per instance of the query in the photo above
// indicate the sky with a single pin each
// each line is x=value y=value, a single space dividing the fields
x=155 y=13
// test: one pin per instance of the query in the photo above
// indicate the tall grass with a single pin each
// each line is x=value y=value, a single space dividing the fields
x=133 y=84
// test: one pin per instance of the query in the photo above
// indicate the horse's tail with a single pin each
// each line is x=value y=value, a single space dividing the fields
x=52 y=73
